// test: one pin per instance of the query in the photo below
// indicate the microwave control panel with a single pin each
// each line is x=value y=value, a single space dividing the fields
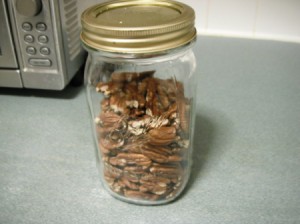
x=35 y=34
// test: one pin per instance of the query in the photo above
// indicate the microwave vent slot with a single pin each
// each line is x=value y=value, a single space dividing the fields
x=72 y=28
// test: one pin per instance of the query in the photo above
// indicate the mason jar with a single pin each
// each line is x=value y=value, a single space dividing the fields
x=141 y=91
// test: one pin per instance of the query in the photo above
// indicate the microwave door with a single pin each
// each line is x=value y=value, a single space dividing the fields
x=7 y=54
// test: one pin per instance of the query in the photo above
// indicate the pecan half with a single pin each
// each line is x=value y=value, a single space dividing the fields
x=109 y=88
x=161 y=181
x=140 y=195
x=184 y=114
x=167 y=170
x=162 y=135
x=152 y=187
x=124 y=182
x=112 y=171
x=123 y=159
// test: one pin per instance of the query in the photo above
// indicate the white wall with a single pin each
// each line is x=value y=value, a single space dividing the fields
x=262 y=19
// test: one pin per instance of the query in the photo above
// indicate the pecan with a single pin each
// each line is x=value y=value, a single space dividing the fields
x=161 y=181
x=112 y=171
x=158 y=154
x=155 y=156
x=132 y=177
x=171 y=113
x=184 y=114
x=134 y=146
x=105 y=105
x=109 y=88
x=163 y=95
x=174 y=158
x=141 y=195
x=151 y=90
x=117 y=161
x=153 y=188
x=104 y=150
x=116 y=187
x=109 y=178
x=110 y=119
x=141 y=125
x=124 y=182
x=123 y=159
x=141 y=101
x=142 y=87
x=110 y=143
x=118 y=104
x=162 y=135
x=135 y=170
x=166 y=170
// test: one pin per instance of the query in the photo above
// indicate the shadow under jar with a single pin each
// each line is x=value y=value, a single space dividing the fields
x=141 y=91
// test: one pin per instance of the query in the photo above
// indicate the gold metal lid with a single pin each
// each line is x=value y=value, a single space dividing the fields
x=138 y=26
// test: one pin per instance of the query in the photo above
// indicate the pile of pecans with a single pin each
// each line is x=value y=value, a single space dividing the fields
x=143 y=135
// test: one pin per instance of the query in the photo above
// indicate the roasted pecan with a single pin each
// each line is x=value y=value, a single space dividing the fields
x=162 y=135
x=110 y=120
x=125 y=182
x=117 y=103
x=153 y=188
x=112 y=171
x=141 y=195
x=116 y=187
x=184 y=114
x=109 y=88
x=109 y=143
x=158 y=154
x=167 y=170
x=109 y=178
x=161 y=181
x=174 y=158
x=105 y=105
x=123 y=159
x=135 y=170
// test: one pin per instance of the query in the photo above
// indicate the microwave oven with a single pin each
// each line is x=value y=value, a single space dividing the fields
x=39 y=45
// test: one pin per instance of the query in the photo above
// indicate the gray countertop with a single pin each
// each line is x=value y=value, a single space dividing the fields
x=246 y=159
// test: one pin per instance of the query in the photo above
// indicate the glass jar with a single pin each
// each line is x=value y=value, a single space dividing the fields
x=141 y=90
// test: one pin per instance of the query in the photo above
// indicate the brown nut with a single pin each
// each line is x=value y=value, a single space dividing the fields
x=156 y=153
x=162 y=135
x=167 y=170
x=109 y=88
x=110 y=120
x=153 y=188
x=140 y=195
x=124 y=159
x=112 y=171
x=134 y=170
x=125 y=182
x=184 y=114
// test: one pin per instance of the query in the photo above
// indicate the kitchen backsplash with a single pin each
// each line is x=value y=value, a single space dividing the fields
x=261 y=19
